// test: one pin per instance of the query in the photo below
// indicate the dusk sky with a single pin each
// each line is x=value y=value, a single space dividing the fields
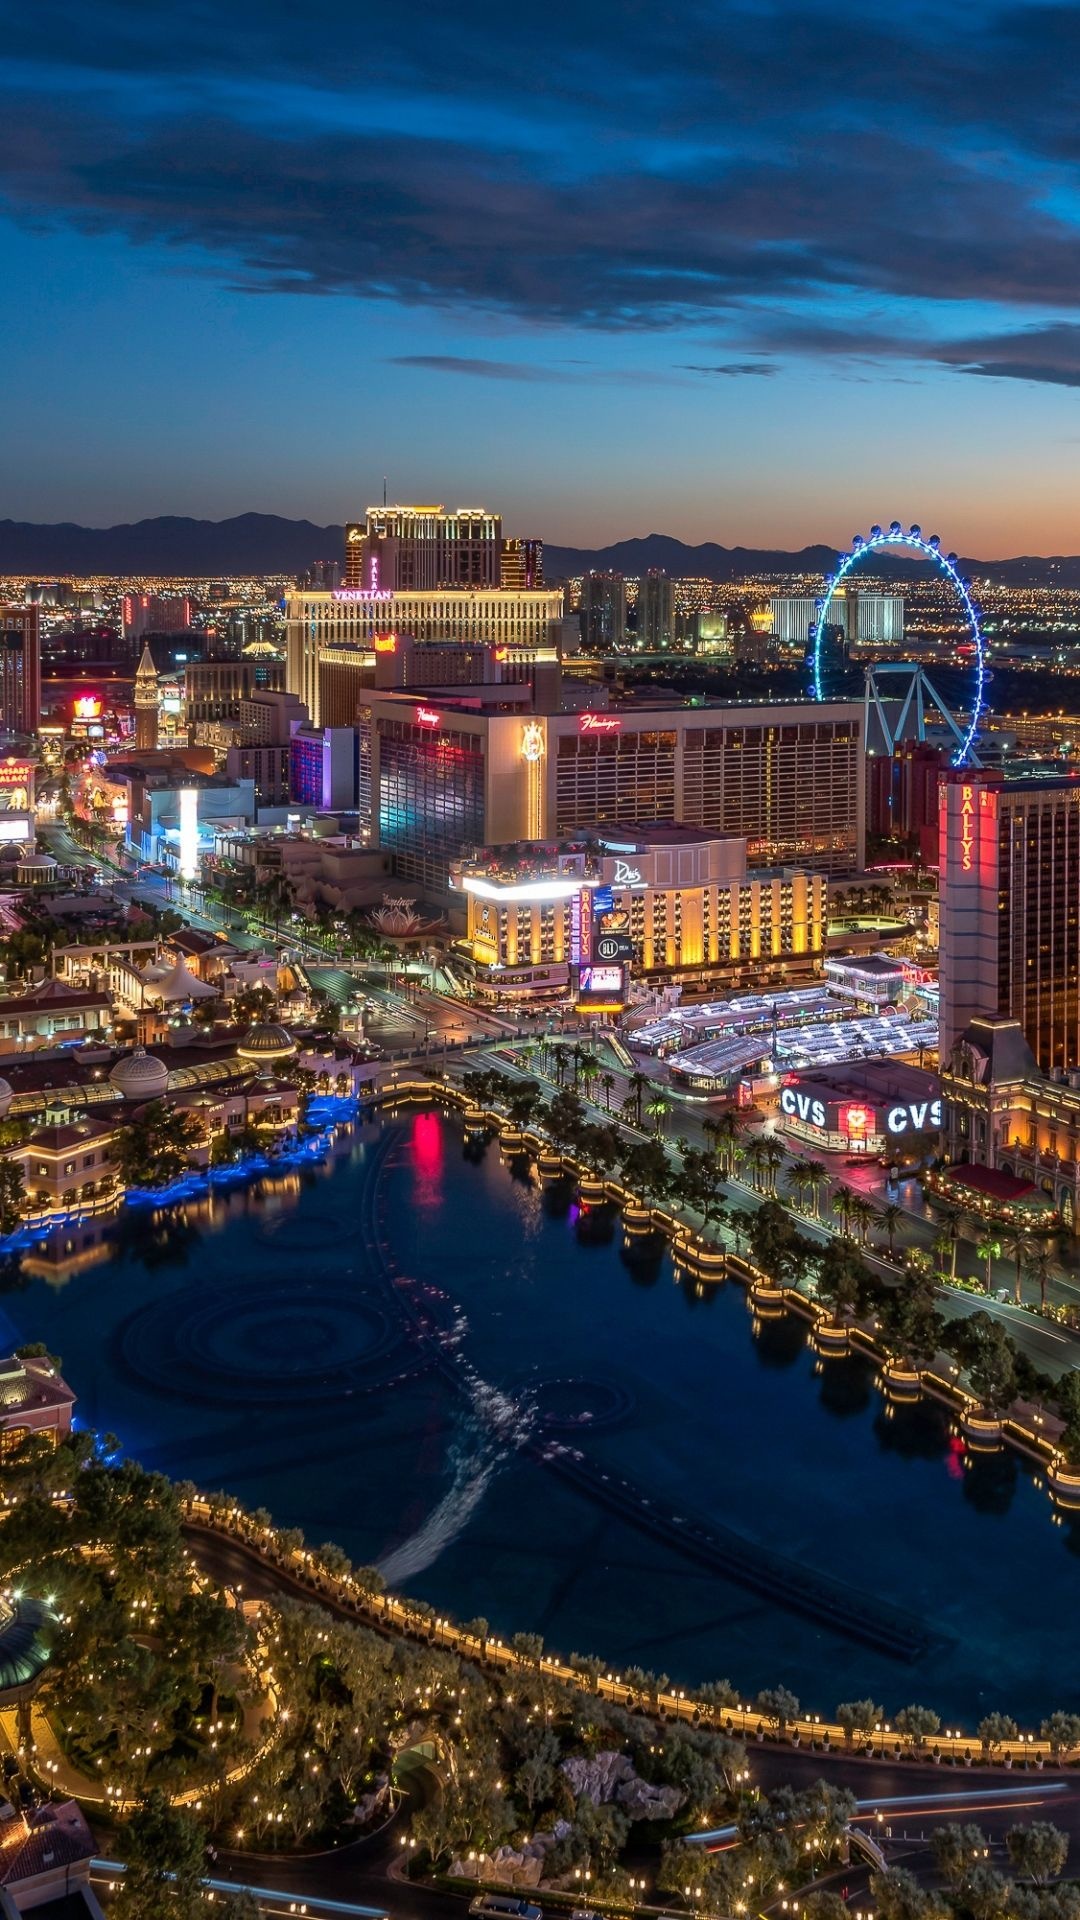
x=754 y=272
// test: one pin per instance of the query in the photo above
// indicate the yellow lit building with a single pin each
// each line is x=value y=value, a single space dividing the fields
x=663 y=901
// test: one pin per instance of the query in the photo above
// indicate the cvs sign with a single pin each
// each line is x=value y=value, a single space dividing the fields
x=802 y=1106
x=917 y=1116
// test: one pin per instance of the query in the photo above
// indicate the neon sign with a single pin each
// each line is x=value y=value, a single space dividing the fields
x=532 y=741
x=967 y=834
x=855 y=1120
x=920 y=1114
x=386 y=643
x=800 y=1106
x=425 y=717
x=351 y=594
x=599 y=722
x=87 y=707
x=627 y=876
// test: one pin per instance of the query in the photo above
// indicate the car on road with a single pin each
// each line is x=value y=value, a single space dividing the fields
x=505 y=1906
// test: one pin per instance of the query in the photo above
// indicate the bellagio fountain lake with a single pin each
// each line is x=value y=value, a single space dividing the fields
x=417 y=1352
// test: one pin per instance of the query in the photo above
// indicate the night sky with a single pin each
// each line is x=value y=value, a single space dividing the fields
x=753 y=272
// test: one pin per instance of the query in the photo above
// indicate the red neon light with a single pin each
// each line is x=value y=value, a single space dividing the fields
x=599 y=722
x=424 y=717
x=856 y=1120
x=87 y=707
x=16 y=773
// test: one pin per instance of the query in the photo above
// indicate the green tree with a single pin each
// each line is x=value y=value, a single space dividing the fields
x=898 y=1895
x=859 y=1718
x=957 y=1850
x=1062 y=1730
x=155 y=1148
x=1039 y=1851
x=778 y=1706
x=12 y=1195
x=995 y=1730
x=164 y=1849
x=917 y=1724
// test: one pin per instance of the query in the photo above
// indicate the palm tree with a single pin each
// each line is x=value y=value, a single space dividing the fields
x=1018 y=1244
x=656 y=1109
x=756 y=1157
x=942 y=1248
x=724 y=1132
x=1038 y=1270
x=638 y=1085
x=988 y=1250
x=609 y=1083
x=863 y=1214
x=817 y=1176
x=797 y=1182
x=952 y=1222
x=774 y=1160
x=588 y=1068
x=891 y=1218
x=843 y=1205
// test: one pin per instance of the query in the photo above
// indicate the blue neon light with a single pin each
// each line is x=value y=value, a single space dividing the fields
x=930 y=550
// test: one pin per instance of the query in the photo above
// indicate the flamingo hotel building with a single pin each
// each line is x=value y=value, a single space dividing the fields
x=445 y=771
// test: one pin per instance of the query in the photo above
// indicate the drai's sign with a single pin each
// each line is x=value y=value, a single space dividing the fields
x=919 y=1115
x=626 y=875
x=802 y=1106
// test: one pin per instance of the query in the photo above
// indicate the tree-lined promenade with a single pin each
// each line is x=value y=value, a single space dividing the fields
x=774 y=1714
x=894 y=1309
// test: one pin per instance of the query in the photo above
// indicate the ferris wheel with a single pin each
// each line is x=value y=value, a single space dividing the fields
x=888 y=540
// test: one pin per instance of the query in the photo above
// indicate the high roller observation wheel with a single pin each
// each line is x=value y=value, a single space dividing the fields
x=894 y=536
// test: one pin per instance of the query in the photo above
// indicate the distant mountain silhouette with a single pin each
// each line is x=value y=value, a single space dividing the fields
x=266 y=543
x=712 y=562
x=249 y=543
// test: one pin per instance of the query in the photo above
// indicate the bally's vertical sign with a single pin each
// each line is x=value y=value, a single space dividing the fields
x=978 y=831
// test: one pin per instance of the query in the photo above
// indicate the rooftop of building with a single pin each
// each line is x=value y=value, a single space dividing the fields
x=993 y=1184
x=59 y=1136
x=51 y=996
x=881 y=964
x=879 y=1080
x=55 y=1835
x=24 y=1653
x=32 y=1382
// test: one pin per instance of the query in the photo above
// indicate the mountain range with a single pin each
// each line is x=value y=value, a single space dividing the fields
x=265 y=543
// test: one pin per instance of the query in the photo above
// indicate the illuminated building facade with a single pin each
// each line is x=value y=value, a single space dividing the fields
x=866 y=619
x=602 y=612
x=665 y=901
x=655 y=612
x=345 y=631
x=154 y=613
x=420 y=548
x=1001 y=1112
x=861 y=1107
x=1010 y=910
x=147 y=699
x=215 y=689
x=20 y=669
x=522 y=564
x=322 y=767
x=442 y=773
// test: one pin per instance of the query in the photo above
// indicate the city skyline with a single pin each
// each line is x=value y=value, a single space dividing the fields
x=735 y=274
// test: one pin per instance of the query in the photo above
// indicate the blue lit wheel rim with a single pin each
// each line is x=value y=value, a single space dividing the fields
x=877 y=542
